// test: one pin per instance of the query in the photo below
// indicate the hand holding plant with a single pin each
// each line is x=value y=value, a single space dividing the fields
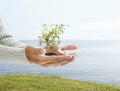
x=51 y=40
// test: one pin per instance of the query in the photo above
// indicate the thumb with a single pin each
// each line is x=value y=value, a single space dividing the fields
x=39 y=51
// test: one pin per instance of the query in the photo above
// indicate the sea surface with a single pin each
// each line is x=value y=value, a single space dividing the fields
x=98 y=61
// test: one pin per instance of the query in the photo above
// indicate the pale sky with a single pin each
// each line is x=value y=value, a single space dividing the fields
x=87 y=19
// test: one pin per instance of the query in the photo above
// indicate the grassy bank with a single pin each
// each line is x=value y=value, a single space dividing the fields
x=49 y=83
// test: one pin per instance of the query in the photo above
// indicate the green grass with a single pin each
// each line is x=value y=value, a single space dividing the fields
x=49 y=83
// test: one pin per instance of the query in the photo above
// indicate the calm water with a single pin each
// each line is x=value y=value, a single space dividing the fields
x=99 y=61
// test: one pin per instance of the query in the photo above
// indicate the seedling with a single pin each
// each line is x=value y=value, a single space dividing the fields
x=50 y=37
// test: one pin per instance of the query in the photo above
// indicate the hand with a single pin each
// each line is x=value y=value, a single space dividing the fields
x=37 y=56
x=60 y=50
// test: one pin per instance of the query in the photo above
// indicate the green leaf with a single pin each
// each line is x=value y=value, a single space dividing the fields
x=51 y=35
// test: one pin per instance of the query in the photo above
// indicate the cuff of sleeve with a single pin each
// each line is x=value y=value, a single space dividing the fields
x=24 y=57
x=14 y=55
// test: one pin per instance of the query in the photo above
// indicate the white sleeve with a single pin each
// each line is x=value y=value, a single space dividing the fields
x=10 y=49
x=13 y=55
x=7 y=39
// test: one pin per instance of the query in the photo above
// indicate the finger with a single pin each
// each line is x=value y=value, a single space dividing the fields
x=74 y=54
x=63 y=64
x=43 y=59
x=69 y=47
x=60 y=52
x=51 y=64
x=59 y=58
x=55 y=63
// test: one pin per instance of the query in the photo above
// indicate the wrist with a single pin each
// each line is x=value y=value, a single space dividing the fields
x=27 y=52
